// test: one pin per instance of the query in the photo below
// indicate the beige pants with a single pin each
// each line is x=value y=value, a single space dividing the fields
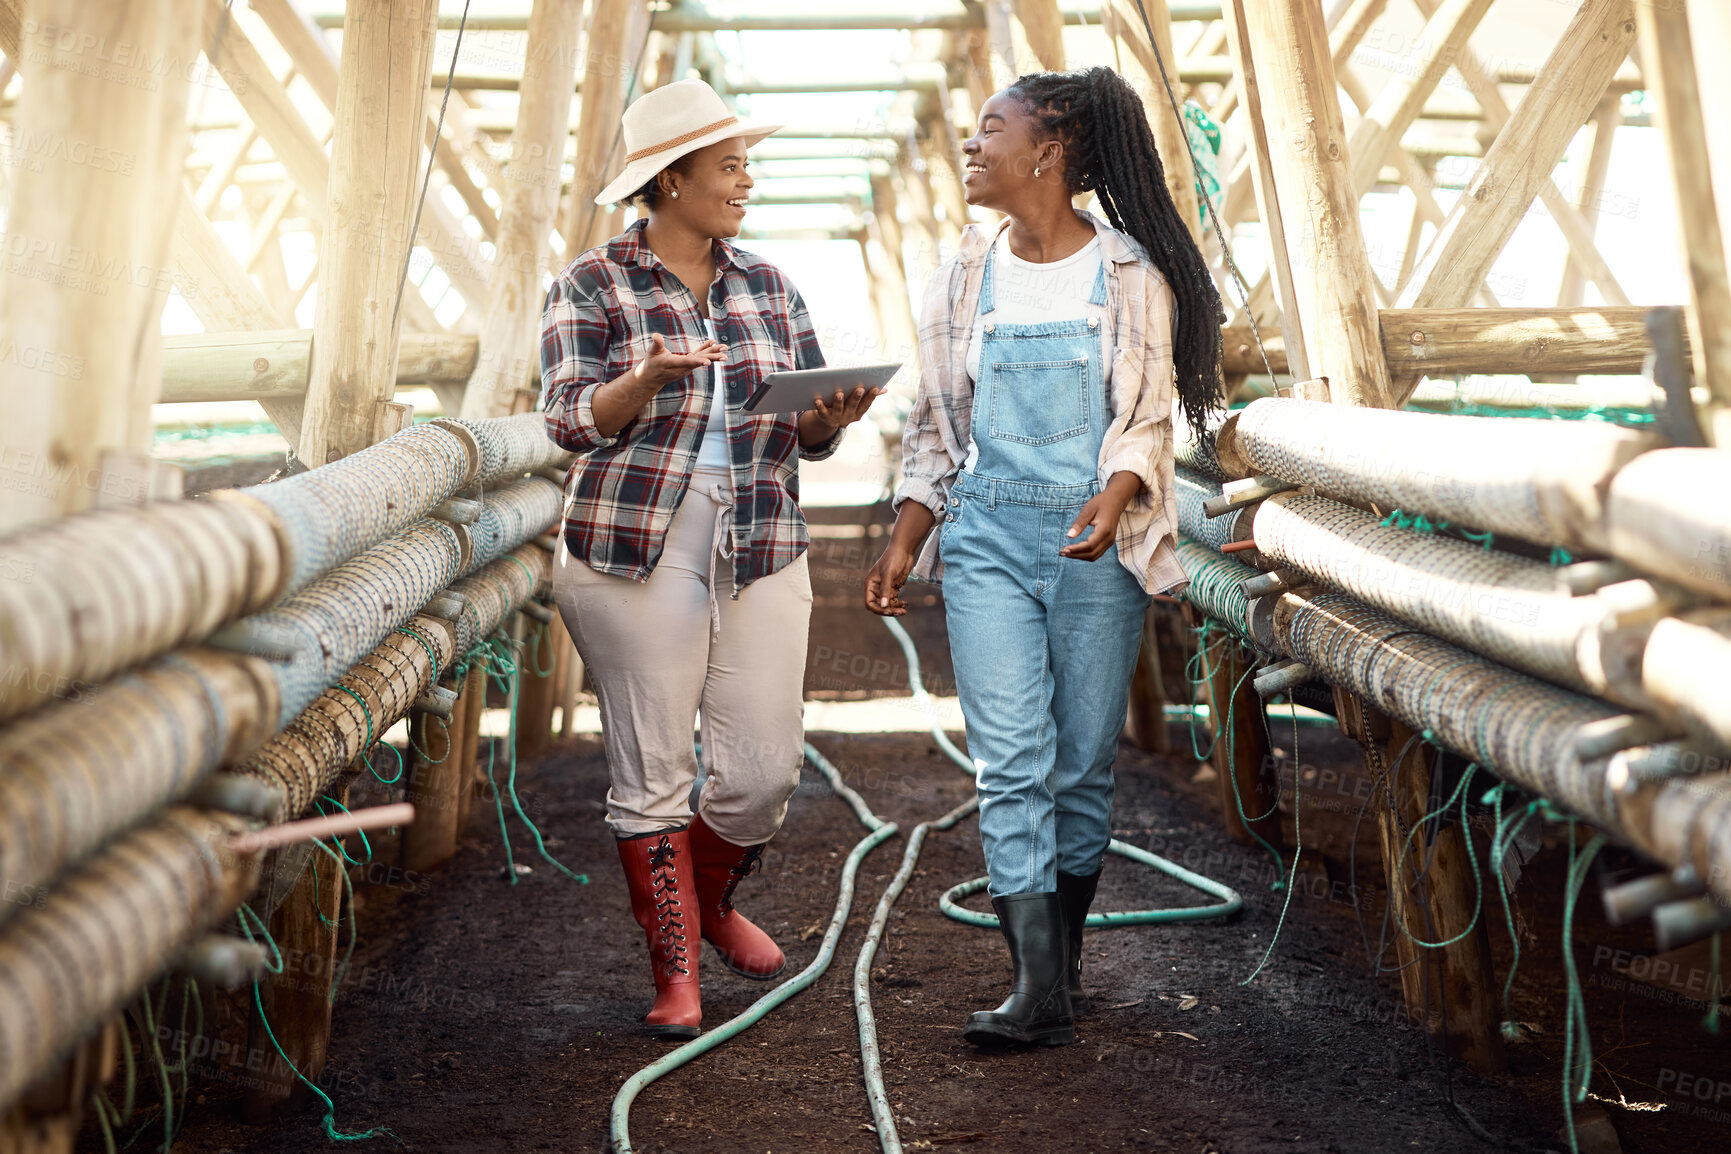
x=658 y=651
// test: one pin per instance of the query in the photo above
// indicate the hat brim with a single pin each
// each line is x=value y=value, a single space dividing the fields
x=636 y=174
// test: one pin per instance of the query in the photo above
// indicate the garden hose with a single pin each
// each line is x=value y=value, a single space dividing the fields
x=878 y=832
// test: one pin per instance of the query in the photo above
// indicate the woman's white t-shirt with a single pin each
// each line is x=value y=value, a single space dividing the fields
x=1026 y=293
x=712 y=454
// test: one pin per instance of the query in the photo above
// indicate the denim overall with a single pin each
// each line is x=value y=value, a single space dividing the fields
x=1043 y=645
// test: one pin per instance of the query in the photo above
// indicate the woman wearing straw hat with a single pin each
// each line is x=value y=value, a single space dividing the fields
x=682 y=577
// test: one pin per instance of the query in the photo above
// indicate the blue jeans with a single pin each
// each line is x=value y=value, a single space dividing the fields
x=1043 y=648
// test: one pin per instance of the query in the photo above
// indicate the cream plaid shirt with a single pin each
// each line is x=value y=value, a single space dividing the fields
x=1139 y=439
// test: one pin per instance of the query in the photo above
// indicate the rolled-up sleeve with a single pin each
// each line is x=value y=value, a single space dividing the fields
x=575 y=330
x=929 y=465
x=808 y=354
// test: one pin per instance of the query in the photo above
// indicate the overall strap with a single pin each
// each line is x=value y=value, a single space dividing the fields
x=988 y=299
x=1098 y=296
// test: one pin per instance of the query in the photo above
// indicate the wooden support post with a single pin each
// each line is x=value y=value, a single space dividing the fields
x=1241 y=755
x=1451 y=989
x=436 y=786
x=1267 y=198
x=571 y=681
x=607 y=59
x=474 y=702
x=296 y=1002
x=46 y=1119
x=373 y=189
x=1307 y=146
x=87 y=236
x=1146 y=726
x=536 y=693
x=509 y=356
x=1122 y=20
x=1668 y=62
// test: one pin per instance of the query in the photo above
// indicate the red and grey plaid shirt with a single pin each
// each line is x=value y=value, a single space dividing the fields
x=624 y=489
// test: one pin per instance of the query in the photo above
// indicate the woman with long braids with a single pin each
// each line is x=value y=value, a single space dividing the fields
x=1041 y=443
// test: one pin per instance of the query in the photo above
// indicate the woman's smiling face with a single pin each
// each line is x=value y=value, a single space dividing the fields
x=1002 y=153
x=713 y=186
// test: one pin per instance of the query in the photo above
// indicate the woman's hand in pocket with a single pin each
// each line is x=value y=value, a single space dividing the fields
x=1101 y=515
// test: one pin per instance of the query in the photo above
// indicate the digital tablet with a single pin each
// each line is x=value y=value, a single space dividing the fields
x=793 y=392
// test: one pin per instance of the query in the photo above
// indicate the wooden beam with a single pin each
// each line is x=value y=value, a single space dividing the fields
x=1043 y=23
x=88 y=232
x=537 y=691
x=1576 y=232
x=1122 y=20
x=1307 y=146
x=1497 y=196
x=1606 y=121
x=1537 y=342
x=274 y=363
x=509 y=349
x=1241 y=754
x=1668 y=61
x=1267 y=198
x=266 y=103
x=1452 y=989
x=435 y=787
x=607 y=72
x=296 y=1002
x=373 y=190
x=1385 y=121
x=312 y=54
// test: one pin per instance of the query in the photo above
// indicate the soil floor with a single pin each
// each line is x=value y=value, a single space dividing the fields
x=480 y=1015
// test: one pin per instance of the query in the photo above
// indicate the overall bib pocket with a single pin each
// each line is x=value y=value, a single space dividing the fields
x=1039 y=402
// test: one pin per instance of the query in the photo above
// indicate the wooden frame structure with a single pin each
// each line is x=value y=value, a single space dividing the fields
x=292 y=138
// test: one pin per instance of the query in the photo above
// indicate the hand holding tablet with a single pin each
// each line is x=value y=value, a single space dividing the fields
x=799 y=390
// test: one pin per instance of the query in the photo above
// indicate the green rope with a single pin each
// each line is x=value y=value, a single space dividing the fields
x=1478 y=879
x=444 y=727
x=365 y=712
x=1711 y=1021
x=426 y=643
x=512 y=686
x=1507 y=830
x=1577 y=1069
x=331 y=1130
x=1297 y=854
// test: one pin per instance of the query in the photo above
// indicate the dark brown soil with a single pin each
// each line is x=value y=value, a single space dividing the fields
x=482 y=1016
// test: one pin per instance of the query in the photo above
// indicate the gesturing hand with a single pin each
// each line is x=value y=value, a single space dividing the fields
x=662 y=367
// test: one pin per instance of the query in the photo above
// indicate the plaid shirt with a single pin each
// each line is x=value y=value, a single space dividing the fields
x=624 y=489
x=1139 y=439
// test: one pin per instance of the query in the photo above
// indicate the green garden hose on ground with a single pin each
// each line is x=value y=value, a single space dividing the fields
x=880 y=831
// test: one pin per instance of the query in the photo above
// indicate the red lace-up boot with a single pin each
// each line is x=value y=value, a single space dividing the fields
x=720 y=865
x=658 y=873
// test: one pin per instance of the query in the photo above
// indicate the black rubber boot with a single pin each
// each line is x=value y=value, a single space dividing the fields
x=1038 y=1008
x=1075 y=895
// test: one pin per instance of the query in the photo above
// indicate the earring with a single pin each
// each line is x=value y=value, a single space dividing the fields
x=675 y=194
x=1036 y=172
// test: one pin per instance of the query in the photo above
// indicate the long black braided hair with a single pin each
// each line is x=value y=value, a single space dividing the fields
x=1109 y=150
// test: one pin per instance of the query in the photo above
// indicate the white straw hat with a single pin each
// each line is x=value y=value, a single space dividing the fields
x=666 y=124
